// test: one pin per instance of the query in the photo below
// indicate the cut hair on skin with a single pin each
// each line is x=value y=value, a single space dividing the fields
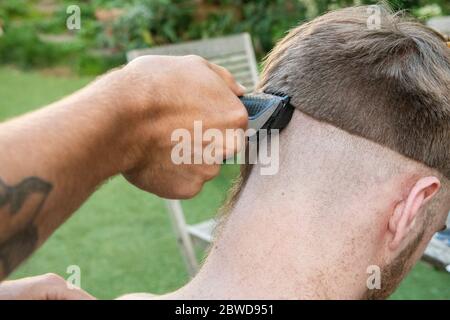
x=390 y=85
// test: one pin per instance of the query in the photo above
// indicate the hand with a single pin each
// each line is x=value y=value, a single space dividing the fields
x=45 y=287
x=138 y=296
x=160 y=94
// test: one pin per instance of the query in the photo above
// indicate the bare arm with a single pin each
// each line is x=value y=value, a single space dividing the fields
x=53 y=159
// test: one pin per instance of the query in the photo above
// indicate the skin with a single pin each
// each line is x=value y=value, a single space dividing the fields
x=53 y=159
x=338 y=205
x=45 y=287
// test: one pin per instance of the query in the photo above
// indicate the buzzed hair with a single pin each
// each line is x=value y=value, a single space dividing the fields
x=388 y=83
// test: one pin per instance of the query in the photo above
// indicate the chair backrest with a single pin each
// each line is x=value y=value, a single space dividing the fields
x=232 y=52
x=441 y=24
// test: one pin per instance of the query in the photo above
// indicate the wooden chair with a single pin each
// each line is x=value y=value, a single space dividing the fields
x=441 y=24
x=237 y=55
x=233 y=52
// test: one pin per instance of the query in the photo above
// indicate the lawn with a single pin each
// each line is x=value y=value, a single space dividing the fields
x=121 y=238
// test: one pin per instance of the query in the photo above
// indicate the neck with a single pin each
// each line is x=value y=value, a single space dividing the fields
x=305 y=232
x=271 y=250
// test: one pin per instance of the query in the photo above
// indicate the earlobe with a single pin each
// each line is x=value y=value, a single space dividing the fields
x=406 y=212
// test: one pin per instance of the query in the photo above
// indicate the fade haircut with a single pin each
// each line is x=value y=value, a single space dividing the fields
x=390 y=85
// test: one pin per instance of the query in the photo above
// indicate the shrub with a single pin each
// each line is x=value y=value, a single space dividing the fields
x=147 y=23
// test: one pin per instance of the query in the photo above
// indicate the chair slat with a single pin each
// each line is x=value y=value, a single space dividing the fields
x=205 y=48
x=235 y=58
x=233 y=52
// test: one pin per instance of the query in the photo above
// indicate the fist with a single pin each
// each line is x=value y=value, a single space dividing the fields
x=166 y=94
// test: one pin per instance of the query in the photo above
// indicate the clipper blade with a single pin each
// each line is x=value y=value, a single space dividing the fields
x=267 y=111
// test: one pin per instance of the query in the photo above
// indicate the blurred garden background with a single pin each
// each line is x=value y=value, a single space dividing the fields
x=122 y=238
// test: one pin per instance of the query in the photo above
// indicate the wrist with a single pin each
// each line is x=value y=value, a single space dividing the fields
x=103 y=125
x=126 y=113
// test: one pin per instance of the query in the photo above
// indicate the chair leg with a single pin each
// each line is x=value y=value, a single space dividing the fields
x=183 y=238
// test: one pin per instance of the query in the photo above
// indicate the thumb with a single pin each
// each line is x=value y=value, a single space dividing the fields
x=229 y=79
x=66 y=293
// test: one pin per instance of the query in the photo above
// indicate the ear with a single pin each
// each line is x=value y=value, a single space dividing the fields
x=405 y=213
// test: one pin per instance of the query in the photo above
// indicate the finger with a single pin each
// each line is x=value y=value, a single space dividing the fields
x=73 y=294
x=211 y=171
x=235 y=143
x=229 y=79
x=137 y=296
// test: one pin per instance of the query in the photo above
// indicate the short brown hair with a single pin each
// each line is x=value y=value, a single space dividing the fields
x=389 y=84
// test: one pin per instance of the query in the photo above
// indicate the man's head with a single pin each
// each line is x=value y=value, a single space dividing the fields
x=389 y=84
x=365 y=162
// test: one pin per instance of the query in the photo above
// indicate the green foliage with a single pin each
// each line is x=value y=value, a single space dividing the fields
x=121 y=237
x=23 y=47
x=154 y=22
x=146 y=23
x=13 y=8
x=94 y=64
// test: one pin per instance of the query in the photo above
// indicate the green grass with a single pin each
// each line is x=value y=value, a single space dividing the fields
x=121 y=237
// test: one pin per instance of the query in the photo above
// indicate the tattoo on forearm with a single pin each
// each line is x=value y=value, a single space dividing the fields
x=17 y=248
x=17 y=195
x=22 y=243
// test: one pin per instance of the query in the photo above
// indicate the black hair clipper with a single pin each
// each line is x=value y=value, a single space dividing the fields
x=267 y=111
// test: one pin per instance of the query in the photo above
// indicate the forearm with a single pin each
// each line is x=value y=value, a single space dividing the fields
x=51 y=161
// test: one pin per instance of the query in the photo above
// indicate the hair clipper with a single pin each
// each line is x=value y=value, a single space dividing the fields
x=267 y=111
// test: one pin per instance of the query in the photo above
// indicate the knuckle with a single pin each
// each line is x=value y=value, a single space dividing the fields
x=228 y=74
x=52 y=278
x=195 y=58
x=216 y=169
x=211 y=172
x=240 y=117
x=189 y=192
x=139 y=60
x=189 y=188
